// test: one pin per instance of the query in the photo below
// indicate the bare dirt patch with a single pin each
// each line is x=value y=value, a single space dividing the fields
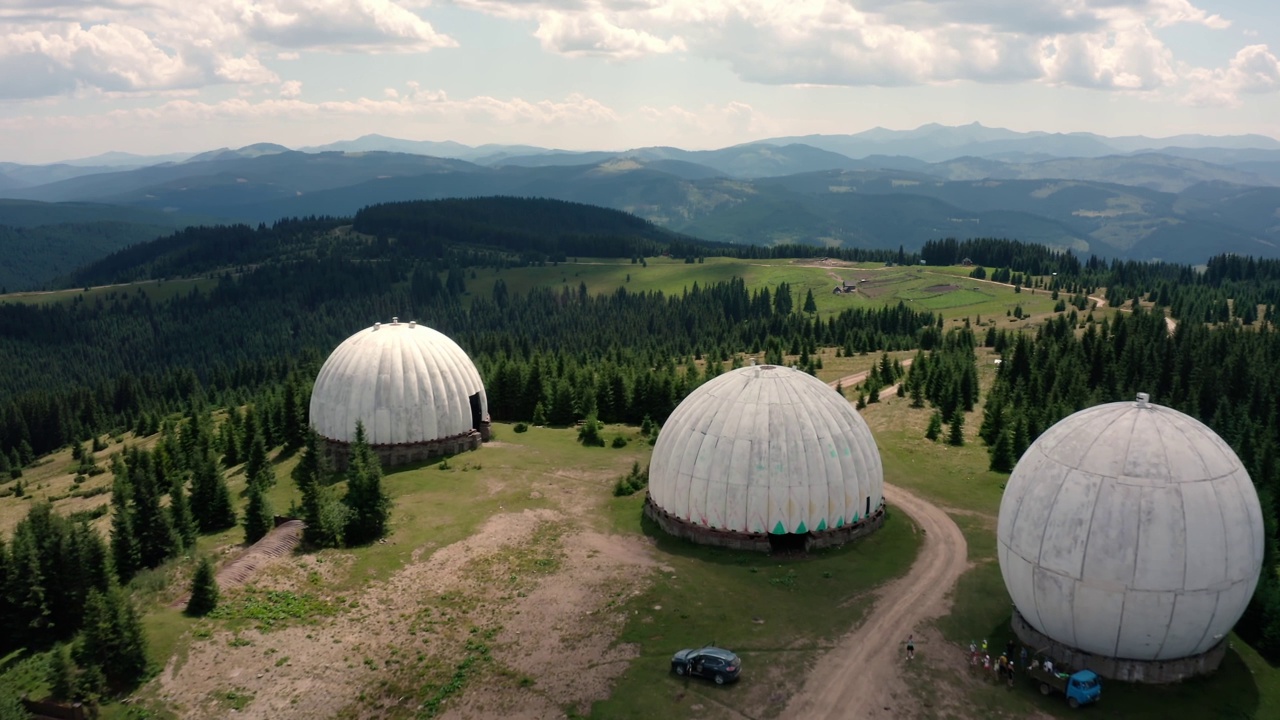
x=529 y=604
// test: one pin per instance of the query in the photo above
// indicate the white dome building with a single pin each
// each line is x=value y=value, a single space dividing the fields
x=1130 y=538
x=416 y=392
x=766 y=456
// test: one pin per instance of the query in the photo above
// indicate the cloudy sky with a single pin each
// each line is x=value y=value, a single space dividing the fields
x=79 y=77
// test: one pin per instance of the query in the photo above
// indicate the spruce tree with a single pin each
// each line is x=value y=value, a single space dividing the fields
x=309 y=475
x=26 y=592
x=204 y=590
x=1002 y=453
x=956 y=435
x=257 y=465
x=152 y=525
x=934 y=431
x=124 y=541
x=809 y=305
x=112 y=640
x=258 y=516
x=61 y=674
x=368 y=506
x=210 y=497
x=184 y=523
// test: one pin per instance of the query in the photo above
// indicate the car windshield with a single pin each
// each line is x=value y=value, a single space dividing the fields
x=1087 y=684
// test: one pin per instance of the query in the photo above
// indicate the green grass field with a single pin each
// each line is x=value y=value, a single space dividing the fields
x=157 y=290
x=951 y=294
x=779 y=614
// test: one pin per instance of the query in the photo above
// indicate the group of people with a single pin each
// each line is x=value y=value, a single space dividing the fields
x=1003 y=665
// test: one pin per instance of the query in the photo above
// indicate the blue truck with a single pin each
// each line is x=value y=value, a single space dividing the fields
x=1081 y=688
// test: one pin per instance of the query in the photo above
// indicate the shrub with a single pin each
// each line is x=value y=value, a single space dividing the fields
x=589 y=432
x=633 y=482
x=619 y=441
x=521 y=427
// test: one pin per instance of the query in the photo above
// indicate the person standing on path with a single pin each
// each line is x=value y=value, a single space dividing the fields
x=911 y=647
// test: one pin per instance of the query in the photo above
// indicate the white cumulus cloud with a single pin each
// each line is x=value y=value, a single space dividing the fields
x=54 y=47
x=1098 y=44
x=1254 y=69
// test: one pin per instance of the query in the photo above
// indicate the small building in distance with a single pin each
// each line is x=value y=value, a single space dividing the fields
x=766 y=458
x=417 y=393
x=1130 y=538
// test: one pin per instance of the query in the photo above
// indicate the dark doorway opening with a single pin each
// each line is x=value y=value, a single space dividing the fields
x=475 y=412
x=868 y=512
x=788 y=543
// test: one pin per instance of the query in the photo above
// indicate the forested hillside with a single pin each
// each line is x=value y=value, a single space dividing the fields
x=271 y=302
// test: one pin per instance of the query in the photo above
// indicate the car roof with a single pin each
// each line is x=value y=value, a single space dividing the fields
x=718 y=652
x=1085 y=676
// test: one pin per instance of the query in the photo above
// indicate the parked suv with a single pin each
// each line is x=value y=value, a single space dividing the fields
x=718 y=664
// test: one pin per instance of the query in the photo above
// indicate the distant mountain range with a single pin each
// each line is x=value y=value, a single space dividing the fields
x=1180 y=199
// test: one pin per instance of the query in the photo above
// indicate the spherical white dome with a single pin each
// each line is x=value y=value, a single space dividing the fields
x=406 y=382
x=1130 y=530
x=766 y=449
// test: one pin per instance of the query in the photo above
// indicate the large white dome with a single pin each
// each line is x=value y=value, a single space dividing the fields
x=766 y=449
x=1130 y=530
x=406 y=382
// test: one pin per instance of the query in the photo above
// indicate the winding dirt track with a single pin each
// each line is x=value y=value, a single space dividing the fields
x=861 y=675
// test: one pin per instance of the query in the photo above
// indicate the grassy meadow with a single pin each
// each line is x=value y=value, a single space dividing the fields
x=778 y=613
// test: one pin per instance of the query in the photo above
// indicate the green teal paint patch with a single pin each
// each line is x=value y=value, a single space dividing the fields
x=801 y=528
x=856 y=517
x=778 y=529
x=840 y=521
x=822 y=524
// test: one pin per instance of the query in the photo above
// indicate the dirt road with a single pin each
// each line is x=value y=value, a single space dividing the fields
x=861 y=676
x=848 y=381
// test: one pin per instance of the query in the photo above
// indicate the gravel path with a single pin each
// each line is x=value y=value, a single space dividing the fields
x=861 y=676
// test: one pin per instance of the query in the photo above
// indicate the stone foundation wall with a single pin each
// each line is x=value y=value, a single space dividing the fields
x=405 y=453
x=1136 y=671
x=847 y=534
x=758 y=542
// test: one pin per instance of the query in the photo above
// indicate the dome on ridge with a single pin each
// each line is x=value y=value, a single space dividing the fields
x=407 y=383
x=1130 y=530
x=766 y=449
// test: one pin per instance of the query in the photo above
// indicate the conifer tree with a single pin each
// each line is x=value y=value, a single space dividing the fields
x=1002 y=453
x=323 y=525
x=258 y=516
x=210 y=497
x=956 y=435
x=180 y=516
x=809 y=305
x=152 y=525
x=257 y=466
x=125 y=554
x=934 y=431
x=368 y=506
x=26 y=593
x=61 y=674
x=204 y=589
x=229 y=438
x=112 y=640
